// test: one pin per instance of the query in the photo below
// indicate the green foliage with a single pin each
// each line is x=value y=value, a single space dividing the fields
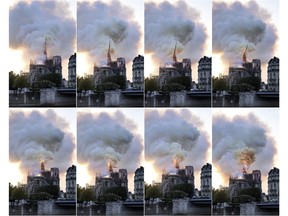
x=151 y=84
x=185 y=187
x=252 y=192
x=254 y=83
x=108 y=198
x=42 y=84
x=172 y=87
x=40 y=196
x=119 y=191
x=84 y=84
x=116 y=79
x=53 y=78
x=17 y=81
x=17 y=193
x=12 y=77
x=152 y=192
x=181 y=81
x=175 y=195
x=219 y=84
x=220 y=196
x=53 y=190
x=85 y=194
x=107 y=87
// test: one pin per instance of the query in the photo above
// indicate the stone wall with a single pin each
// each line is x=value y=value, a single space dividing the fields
x=247 y=99
x=248 y=209
x=177 y=207
x=46 y=97
x=110 y=99
x=178 y=99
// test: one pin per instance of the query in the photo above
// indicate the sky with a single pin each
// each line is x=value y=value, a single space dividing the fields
x=187 y=22
x=236 y=129
x=255 y=25
x=176 y=134
x=30 y=22
x=43 y=135
x=99 y=23
x=109 y=136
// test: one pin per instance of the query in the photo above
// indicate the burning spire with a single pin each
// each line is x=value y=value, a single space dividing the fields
x=110 y=167
x=109 y=55
x=244 y=59
x=174 y=54
x=245 y=157
x=42 y=166
x=45 y=48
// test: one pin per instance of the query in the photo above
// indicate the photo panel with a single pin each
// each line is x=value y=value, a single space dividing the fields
x=110 y=152
x=42 y=162
x=178 y=53
x=245 y=157
x=245 y=53
x=178 y=160
x=110 y=48
x=42 y=53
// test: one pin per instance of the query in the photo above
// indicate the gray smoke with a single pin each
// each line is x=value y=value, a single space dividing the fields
x=171 y=136
x=107 y=138
x=166 y=24
x=241 y=133
x=99 y=23
x=30 y=23
x=238 y=25
x=36 y=137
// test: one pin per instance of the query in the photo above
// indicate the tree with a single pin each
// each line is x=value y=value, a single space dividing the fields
x=151 y=84
x=52 y=77
x=152 y=192
x=253 y=82
x=84 y=84
x=172 y=87
x=17 y=193
x=53 y=190
x=220 y=196
x=252 y=192
x=20 y=81
x=85 y=194
x=12 y=77
x=169 y=196
x=119 y=191
x=182 y=80
x=219 y=84
x=185 y=187
x=119 y=80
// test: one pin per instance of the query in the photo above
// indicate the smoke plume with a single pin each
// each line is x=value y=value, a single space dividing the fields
x=99 y=24
x=30 y=23
x=172 y=137
x=245 y=156
x=238 y=25
x=166 y=24
x=39 y=137
x=240 y=142
x=107 y=139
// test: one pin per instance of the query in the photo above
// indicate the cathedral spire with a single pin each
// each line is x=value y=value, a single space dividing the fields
x=174 y=54
x=244 y=59
x=45 y=48
x=109 y=55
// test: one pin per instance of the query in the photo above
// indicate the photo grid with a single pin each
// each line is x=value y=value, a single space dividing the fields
x=100 y=91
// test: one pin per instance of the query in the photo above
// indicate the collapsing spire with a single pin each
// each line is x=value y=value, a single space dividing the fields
x=244 y=60
x=109 y=55
x=45 y=49
x=174 y=54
